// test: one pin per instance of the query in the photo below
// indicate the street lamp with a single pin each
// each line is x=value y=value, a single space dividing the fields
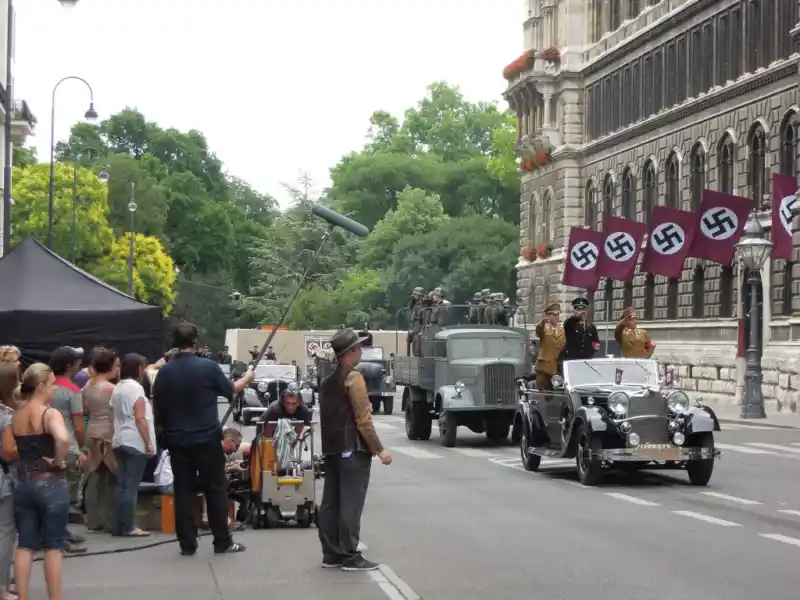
x=753 y=250
x=103 y=176
x=89 y=115
x=132 y=209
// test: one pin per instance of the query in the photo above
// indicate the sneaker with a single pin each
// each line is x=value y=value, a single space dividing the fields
x=71 y=548
x=232 y=549
x=188 y=551
x=359 y=563
x=76 y=539
x=331 y=562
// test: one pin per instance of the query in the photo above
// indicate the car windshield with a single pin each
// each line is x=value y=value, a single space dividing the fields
x=371 y=353
x=611 y=372
x=275 y=372
x=460 y=348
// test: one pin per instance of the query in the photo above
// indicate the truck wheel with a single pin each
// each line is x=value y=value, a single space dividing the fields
x=589 y=467
x=418 y=423
x=376 y=405
x=700 y=471
x=388 y=405
x=448 y=430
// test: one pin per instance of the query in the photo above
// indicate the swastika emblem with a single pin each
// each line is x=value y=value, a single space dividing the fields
x=668 y=238
x=584 y=256
x=620 y=246
x=789 y=205
x=719 y=223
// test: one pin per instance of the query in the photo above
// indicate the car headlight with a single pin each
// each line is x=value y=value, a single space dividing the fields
x=619 y=403
x=678 y=402
x=557 y=381
x=388 y=380
x=262 y=387
x=460 y=387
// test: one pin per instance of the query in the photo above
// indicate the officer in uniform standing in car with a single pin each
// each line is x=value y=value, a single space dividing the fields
x=551 y=342
x=581 y=337
x=633 y=341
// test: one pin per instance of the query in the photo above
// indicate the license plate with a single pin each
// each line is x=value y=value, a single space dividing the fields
x=656 y=446
x=661 y=452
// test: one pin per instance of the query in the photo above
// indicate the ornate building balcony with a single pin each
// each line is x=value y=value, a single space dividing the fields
x=23 y=122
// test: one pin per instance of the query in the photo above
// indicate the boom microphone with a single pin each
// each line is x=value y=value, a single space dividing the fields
x=339 y=220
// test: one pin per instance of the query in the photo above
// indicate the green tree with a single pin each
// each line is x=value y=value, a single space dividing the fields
x=24 y=156
x=417 y=213
x=30 y=211
x=130 y=181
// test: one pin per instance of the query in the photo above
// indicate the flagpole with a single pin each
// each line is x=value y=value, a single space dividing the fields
x=608 y=311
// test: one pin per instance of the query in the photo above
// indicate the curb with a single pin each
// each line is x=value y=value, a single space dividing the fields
x=757 y=423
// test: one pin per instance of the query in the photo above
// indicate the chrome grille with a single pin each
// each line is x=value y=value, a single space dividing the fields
x=653 y=430
x=499 y=385
x=651 y=404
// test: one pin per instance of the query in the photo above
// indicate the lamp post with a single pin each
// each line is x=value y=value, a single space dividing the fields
x=102 y=176
x=132 y=209
x=753 y=249
x=91 y=116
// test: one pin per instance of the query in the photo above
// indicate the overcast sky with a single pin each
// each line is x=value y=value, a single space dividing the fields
x=278 y=87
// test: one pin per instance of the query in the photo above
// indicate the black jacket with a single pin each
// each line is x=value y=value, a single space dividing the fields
x=580 y=339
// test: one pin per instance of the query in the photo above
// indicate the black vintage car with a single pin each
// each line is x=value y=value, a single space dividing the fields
x=270 y=382
x=614 y=412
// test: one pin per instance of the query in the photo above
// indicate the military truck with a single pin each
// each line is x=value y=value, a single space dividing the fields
x=375 y=368
x=466 y=376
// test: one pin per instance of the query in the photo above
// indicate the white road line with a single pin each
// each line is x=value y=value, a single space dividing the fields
x=794 y=513
x=781 y=538
x=631 y=499
x=706 y=518
x=381 y=425
x=415 y=452
x=731 y=498
x=726 y=427
x=400 y=589
x=775 y=447
x=794 y=443
x=742 y=449
x=473 y=452
x=386 y=587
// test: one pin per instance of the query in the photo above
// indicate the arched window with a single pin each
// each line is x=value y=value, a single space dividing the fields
x=788 y=154
x=757 y=146
x=698 y=292
x=649 y=297
x=589 y=206
x=547 y=208
x=725 y=156
x=649 y=191
x=673 y=287
x=673 y=173
x=726 y=291
x=628 y=195
x=608 y=196
x=698 y=183
x=533 y=207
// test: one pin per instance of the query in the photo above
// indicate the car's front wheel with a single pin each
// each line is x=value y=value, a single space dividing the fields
x=700 y=471
x=530 y=461
x=589 y=465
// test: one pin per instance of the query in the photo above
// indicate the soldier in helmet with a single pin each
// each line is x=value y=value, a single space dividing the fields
x=473 y=308
x=438 y=310
x=494 y=309
x=502 y=311
x=582 y=339
x=485 y=293
x=414 y=317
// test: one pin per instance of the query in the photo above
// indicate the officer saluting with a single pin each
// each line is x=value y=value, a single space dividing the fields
x=581 y=337
x=551 y=341
x=633 y=341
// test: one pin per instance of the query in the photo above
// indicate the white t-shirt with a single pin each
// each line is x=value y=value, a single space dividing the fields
x=123 y=401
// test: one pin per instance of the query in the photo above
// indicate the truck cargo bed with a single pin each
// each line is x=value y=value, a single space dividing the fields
x=408 y=370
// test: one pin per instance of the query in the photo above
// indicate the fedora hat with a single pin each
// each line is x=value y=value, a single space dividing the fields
x=344 y=339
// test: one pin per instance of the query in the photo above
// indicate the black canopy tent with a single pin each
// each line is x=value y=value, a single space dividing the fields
x=46 y=302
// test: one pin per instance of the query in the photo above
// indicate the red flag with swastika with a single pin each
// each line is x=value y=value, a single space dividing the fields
x=671 y=235
x=785 y=207
x=583 y=253
x=720 y=222
x=621 y=247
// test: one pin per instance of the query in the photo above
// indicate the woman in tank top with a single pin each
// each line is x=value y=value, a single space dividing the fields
x=37 y=442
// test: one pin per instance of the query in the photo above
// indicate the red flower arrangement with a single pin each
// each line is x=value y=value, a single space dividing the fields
x=528 y=254
x=535 y=161
x=543 y=250
x=552 y=54
x=522 y=63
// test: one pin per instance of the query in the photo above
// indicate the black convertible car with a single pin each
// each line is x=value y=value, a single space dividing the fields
x=270 y=382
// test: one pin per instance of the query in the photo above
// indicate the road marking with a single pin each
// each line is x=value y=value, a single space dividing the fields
x=415 y=452
x=794 y=443
x=794 y=513
x=473 y=452
x=384 y=426
x=632 y=499
x=731 y=498
x=706 y=518
x=775 y=447
x=742 y=449
x=781 y=538
x=727 y=427
x=388 y=580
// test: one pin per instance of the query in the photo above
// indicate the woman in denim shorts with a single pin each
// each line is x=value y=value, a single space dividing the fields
x=37 y=441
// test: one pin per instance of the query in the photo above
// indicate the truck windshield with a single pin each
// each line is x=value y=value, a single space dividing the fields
x=472 y=348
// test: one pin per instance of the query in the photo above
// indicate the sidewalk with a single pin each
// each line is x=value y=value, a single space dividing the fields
x=283 y=563
x=780 y=420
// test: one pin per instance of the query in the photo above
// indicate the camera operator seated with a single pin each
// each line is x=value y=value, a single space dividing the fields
x=288 y=406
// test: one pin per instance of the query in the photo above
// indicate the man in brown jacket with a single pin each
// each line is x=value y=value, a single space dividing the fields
x=349 y=442
x=633 y=341
x=551 y=342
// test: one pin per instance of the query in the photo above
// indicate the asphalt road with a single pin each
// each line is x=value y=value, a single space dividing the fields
x=470 y=523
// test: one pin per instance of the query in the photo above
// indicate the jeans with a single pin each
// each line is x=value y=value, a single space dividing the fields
x=343 y=497
x=41 y=511
x=200 y=466
x=130 y=467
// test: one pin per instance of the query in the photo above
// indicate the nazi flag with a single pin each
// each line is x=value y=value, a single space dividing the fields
x=785 y=208
x=720 y=222
x=621 y=248
x=672 y=232
x=583 y=255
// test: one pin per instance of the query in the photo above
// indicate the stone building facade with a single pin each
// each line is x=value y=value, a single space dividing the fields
x=642 y=103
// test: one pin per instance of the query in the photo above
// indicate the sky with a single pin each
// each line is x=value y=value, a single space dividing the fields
x=278 y=87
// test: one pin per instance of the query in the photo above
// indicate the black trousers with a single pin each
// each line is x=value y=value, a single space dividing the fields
x=200 y=466
x=346 y=483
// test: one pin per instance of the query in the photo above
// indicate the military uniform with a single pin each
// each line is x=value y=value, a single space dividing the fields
x=437 y=315
x=414 y=319
x=551 y=343
x=493 y=309
x=633 y=341
x=485 y=293
x=581 y=337
x=474 y=308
